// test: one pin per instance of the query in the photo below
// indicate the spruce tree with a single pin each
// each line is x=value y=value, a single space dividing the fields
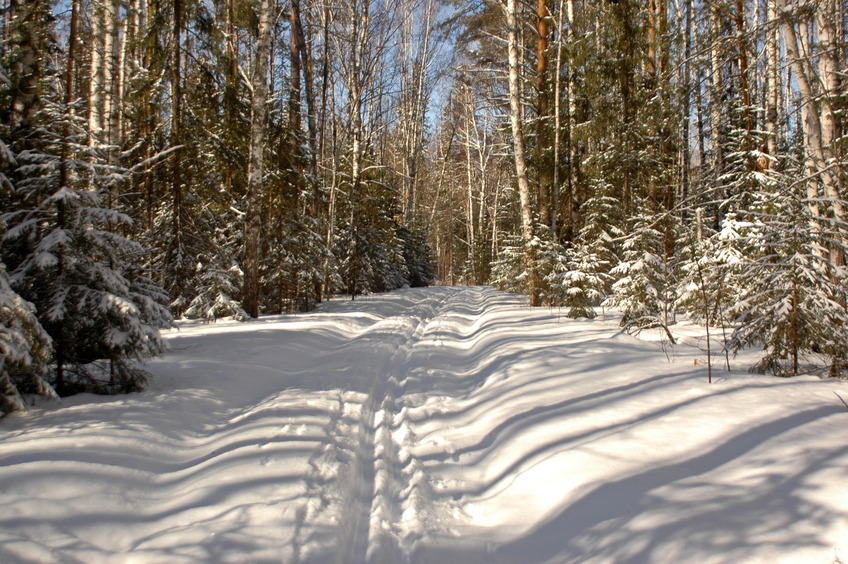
x=65 y=250
x=25 y=347
x=792 y=297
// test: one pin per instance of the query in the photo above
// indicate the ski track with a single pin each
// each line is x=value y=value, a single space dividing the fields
x=381 y=487
x=380 y=502
x=424 y=427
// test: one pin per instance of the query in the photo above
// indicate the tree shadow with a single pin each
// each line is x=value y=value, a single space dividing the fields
x=602 y=522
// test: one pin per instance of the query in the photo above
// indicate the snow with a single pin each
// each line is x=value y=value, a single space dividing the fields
x=441 y=425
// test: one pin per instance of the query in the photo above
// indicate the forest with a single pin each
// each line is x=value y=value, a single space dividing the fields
x=200 y=159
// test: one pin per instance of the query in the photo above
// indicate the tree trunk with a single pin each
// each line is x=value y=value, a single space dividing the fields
x=256 y=169
x=527 y=230
x=687 y=98
x=543 y=126
x=70 y=86
x=297 y=49
x=652 y=40
x=555 y=223
x=111 y=74
x=772 y=72
x=309 y=77
x=571 y=145
x=96 y=85
x=827 y=16
x=177 y=251
x=716 y=95
x=815 y=157
x=744 y=86
x=231 y=95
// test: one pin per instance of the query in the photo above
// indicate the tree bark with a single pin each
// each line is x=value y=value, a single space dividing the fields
x=297 y=49
x=96 y=83
x=256 y=169
x=571 y=145
x=772 y=72
x=815 y=157
x=744 y=86
x=177 y=258
x=527 y=230
x=716 y=94
x=557 y=124
x=687 y=98
x=543 y=129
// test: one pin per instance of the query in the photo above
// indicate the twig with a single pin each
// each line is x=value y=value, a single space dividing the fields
x=842 y=400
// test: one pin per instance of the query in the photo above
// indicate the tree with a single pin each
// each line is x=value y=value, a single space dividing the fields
x=64 y=249
x=527 y=228
x=24 y=349
x=789 y=305
x=66 y=256
x=256 y=169
x=24 y=346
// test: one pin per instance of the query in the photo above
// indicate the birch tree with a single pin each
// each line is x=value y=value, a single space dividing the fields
x=256 y=167
x=515 y=103
x=818 y=125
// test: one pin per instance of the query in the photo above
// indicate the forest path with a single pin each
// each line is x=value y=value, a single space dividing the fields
x=430 y=426
x=378 y=520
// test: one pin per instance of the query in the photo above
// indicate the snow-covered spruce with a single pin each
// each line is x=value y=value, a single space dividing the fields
x=67 y=254
x=24 y=349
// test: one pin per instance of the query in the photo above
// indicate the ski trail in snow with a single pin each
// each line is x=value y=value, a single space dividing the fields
x=379 y=498
x=446 y=425
x=323 y=464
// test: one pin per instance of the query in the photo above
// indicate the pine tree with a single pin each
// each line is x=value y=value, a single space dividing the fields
x=509 y=270
x=64 y=249
x=792 y=298
x=25 y=348
x=219 y=281
x=643 y=279
x=582 y=283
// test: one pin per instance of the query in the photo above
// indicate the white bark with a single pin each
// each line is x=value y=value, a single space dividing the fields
x=557 y=117
x=815 y=157
x=417 y=57
x=518 y=144
x=772 y=73
x=256 y=168
x=827 y=15
x=96 y=79
x=111 y=46
x=715 y=98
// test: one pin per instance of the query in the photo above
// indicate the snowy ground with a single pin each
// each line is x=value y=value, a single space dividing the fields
x=443 y=425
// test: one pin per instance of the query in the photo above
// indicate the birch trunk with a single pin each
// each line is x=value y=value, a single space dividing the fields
x=95 y=85
x=772 y=72
x=557 y=122
x=715 y=99
x=687 y=98
x=570 y=207
x=256 y=169
x=827 y=16
x=815 y=157
x=111 y=55
x=543 y=130
x=518 y=150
